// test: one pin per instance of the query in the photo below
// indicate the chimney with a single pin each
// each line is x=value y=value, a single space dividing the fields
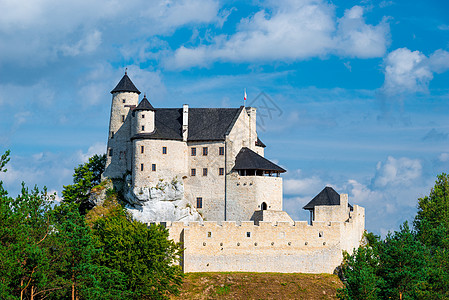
x=185 y=122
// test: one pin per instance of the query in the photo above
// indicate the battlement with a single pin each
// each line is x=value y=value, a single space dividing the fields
x=267 y=246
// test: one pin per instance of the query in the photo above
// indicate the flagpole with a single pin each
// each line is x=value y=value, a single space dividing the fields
x=244 y=98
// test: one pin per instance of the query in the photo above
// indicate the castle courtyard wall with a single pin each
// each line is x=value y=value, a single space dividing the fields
x=283 y=247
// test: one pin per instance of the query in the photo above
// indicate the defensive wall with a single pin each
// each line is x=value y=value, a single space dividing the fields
x=283 y=247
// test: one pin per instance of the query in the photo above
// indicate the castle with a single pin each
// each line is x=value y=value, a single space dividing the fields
x=229 y=194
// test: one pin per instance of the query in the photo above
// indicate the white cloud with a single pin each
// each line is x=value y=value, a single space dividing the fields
x=358 y=39
x=444 y=157
x=97 y=148
x=397 y=171
x=302 y=186
x=409 y=71
x=35 y=32
x=290 y=30
x=87 y=45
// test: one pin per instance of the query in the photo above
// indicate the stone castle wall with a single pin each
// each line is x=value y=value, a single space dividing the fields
x=247 y=193
x=284 y=247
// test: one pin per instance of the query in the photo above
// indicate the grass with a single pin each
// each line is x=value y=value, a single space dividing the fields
x=241 y=285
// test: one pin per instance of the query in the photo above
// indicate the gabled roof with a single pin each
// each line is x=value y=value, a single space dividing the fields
x=328 y=196
x=205 y=124
x=125 y=85
x=144 y=105
x=247 y=159
x=260 y=143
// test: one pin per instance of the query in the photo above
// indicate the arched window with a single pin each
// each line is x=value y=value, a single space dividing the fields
x=264 y=206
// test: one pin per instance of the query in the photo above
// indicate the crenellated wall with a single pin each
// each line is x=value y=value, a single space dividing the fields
x=283 y=247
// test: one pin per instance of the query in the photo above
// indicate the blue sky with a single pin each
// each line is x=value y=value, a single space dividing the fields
x=358 y=89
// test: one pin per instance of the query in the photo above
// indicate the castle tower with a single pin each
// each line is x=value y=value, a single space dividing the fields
x=143 y=118
x=125 y=97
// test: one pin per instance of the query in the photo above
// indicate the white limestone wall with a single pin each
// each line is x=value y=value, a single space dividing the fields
x=168 y=166
x=333 y=212
x=353 y=230
x=143 y=122
x=284 y=248
x=242 y=134
x=119 y=135
x=210 y=188
x=247 y=193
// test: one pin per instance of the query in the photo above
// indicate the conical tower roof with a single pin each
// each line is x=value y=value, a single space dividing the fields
x=144 y=105
x=125 y=85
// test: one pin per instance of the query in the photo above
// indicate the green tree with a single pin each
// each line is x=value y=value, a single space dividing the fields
x=25 y=245
x=143 y=253
x=85 y=177
x=432 y=225
x=403 y=265
x=359 y=271
x=4 y=159
x=82 y=277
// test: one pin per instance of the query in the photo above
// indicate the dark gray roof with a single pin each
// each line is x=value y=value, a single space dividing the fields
x=205 y=124
x=247 y=159
x=260 y=143
x=328 y=196
x=144 y=105
x=125 y=85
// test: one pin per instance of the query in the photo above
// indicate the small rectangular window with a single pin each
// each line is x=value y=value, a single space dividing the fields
x=143 y=116
x=142 y=149
x=192 y=172
x=153 y=167
x=112 y=134
x=141 y=167
x=248 y=234
x=204 y=171
x=123 y=118
x=110 y=152
x=164 y=150
x=204 y=151
x=143 y=128
x=221 y=151
x=199 y=202
x=124 y=100
x=193 y=151
x=221 y=171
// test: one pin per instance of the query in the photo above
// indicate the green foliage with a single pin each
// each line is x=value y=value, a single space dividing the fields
x=4 y=159
x=408 y=264
x=359 y=270
x=403 y=265
x=48 y=251
x=86 y=176
x=143 y=253
x=432 y=225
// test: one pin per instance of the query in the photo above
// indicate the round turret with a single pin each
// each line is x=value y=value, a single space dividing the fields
x=125 y=96
x=143 y=117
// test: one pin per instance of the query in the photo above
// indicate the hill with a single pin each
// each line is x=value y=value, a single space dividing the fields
x=229 y=285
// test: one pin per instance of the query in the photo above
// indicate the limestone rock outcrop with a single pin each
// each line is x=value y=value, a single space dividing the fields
x=161 y=203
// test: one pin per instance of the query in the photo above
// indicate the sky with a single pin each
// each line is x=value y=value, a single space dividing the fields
x=350 y=94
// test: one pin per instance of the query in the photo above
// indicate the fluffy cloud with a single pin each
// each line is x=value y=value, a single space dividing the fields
x=290 y=30
x=36 y=32
x=97 y=148
x=397 y=171
x=389 y=195
x=409 y=71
